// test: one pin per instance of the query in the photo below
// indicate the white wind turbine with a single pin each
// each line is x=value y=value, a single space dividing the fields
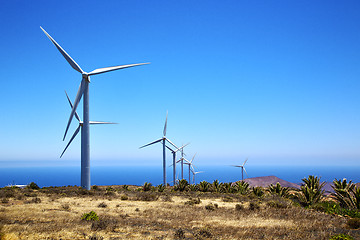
x=182 y=159
x=163 y=140
x=84 y=91
x=242 y=169
x=190 y=164
x=174 y=159
x=194 y=174
x=80 y=125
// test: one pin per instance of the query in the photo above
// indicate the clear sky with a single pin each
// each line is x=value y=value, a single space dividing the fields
x=275 y=81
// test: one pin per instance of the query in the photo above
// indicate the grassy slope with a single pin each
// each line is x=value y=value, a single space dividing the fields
x=150 y=215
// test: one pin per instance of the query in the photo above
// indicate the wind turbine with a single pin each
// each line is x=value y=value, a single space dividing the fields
x=194 y=174
x=242 y=169
x=80 y=125
x=189 y=163
x=174 y=159
x=182 y=161
x=163 y=140
x=84 y=91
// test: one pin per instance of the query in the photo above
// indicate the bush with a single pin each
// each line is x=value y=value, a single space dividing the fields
x=102 y=205
x=341 y=237
x=331 y=207
x=353 y=223
x=192 y=201
x=33 y=185
x=124 y=197
x=110 y=189
x=254 y=206
x=203 y=233
x=147 y=196
x=277 y=204
x=65 y=207
x=91 y=216
x=161 y=187
x=104 y=224
x=181 y=186
x=95 y=187
x=147 y=187
x=179 y=234
x=210 y=207
x=258 y=191
x=239 y=207
x=125 y=187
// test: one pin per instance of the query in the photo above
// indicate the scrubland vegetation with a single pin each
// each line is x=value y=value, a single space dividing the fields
x=203 y=211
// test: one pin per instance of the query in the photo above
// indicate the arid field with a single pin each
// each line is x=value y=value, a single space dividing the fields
x=131 y=213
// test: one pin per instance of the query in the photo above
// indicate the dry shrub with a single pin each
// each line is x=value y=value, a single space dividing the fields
x=179 y=234
x=124 y=197
x=166 y=198
x=227 y=199
x=193 y=201
x=353 y=223
x=239 y=207
x=102 y=205
x=108 y=224
x=210 y=207
x=95 y=237
x=65 y=206
x=254 y=206
x=147 y=196
x=203 y=233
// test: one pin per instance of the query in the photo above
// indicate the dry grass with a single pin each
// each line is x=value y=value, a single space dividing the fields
x=152 y=215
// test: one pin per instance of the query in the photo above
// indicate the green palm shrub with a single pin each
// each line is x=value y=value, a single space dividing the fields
x=181 y=186
x=161 y=188
x=193 y=187
x=33 y=185
x=311 y=191
x=242 y=187
x=279 y=190
x=226 y=188
x=346 y=193
x=204 y=186
x=216 y=186
x=146 y=187
x=341 y=237
x=258 y=191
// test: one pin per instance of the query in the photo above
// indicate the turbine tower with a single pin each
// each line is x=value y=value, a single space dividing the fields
x=84 y=91
x=173 y=152
x=242 y=169
x=194 y=174
x=80 y=125
x=182 y=160
x=163 y=140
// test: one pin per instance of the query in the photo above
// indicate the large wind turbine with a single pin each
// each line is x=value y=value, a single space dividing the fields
x=242 y=169
x=84 y=91
x=174 y=159
x=80 y=125
x=163 y=140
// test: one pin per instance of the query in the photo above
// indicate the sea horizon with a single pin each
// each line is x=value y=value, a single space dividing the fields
x=46 y=176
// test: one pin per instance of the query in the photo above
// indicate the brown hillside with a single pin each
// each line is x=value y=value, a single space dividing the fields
x=266 y=181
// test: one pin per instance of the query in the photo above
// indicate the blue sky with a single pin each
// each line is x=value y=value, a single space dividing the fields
x=275 y=81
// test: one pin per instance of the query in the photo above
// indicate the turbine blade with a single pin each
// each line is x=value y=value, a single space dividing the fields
x=72 y=138
x=109 y=69
x=171 y=143
x=182 y=147
x=245 y=161
x=245 y=172
x=193 y=158
x=73 y=64
x=76 y=115
x=96 y=122
x=235 y=166
x=76 y=103
x=165 y=124
x=159 y=140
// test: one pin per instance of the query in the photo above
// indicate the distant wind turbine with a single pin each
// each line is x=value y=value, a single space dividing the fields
x=174 y=159
x=80 y=125
x=163 y=140
x=242 y=169
x=84 y=91
x=182 y=161
x=190 y=164
x=194 y=174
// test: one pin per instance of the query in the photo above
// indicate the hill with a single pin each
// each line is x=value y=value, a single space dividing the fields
x=266 y=181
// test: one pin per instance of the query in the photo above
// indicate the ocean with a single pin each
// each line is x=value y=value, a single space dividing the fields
x=138 y=175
